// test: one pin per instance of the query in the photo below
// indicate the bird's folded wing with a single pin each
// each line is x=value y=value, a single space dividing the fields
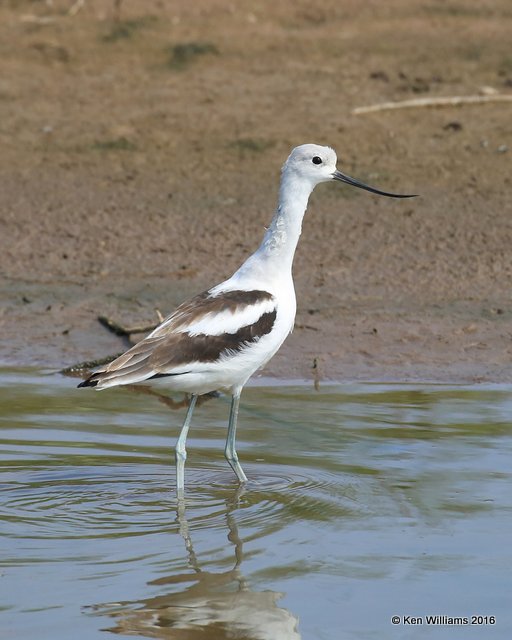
x=202 y=331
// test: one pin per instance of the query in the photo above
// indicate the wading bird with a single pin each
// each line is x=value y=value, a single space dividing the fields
x=218 y=339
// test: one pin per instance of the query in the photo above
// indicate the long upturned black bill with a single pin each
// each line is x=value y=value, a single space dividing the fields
x=337 y=175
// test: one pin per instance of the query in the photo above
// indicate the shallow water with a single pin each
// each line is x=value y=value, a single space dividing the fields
x=364 y=502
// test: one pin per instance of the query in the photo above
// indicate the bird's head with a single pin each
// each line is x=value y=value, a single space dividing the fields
x=314 y=164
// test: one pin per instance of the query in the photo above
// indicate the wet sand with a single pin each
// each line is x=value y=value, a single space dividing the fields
x=140 y=162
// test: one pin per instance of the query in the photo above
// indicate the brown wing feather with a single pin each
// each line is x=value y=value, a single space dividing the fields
x=196 y=308
x=179 y=348
x=169 y=346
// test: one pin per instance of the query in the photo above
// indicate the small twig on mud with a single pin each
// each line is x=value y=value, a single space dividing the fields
x=120 y=330
x=448 y=101
x=76 y=7
x=33 y=19
x=117 y=10
x=316 y=374
x=298 y=325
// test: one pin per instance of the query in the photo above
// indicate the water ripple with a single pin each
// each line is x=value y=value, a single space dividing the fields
x=377 y=489
x=67 y=503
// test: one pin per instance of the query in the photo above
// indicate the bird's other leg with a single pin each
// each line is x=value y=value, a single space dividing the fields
x=181 y=452
x=230 y=450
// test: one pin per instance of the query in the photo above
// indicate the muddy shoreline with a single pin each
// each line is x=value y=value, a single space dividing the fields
x=140 y=162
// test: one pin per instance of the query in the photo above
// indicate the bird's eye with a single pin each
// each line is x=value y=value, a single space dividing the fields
x=317 y=160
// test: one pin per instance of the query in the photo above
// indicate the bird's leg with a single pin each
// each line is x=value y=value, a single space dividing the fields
x=230 y=451
x=181 y=452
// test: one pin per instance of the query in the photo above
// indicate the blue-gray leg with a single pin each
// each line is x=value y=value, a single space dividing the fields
x=230 y=450
x=181 y=452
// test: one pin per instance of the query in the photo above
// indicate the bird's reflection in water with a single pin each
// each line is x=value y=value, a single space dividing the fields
x=216 y=606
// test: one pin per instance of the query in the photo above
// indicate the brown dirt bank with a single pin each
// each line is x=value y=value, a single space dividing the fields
x=139 y=163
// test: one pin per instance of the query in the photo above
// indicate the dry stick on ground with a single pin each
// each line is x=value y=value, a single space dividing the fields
x=447 y=101
x=39 y=20
x=117 y=10
x=76 y=7
x=316 y=374
x=120 y=330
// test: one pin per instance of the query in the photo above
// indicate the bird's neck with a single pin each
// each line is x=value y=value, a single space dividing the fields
x=275 y=253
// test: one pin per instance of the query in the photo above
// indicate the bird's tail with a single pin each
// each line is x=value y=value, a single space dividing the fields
x=91 y=381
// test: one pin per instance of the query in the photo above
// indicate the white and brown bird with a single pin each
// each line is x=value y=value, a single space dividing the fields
x=218 y=339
